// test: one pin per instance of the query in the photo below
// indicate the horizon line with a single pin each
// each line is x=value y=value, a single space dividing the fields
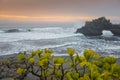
x=53 y=18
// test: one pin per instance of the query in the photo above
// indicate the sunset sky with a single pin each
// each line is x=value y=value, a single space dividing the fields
x=59 y=10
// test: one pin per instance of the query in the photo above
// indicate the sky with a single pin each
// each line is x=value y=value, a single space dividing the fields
x=59 y=10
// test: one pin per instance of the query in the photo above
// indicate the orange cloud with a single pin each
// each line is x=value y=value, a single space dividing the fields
x=53 y=18
x=45 y=18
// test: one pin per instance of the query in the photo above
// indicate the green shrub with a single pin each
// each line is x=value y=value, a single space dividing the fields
x=89 y=66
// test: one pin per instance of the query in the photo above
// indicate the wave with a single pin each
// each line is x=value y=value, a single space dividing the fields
x=14 y=30
x=8 y=37
x=2 y=31
x=17 y=50
x=56 y=46
x=42 y=29
x=46 y=28
x=107 y=33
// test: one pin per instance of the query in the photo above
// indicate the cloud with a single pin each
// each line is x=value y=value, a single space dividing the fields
x=60 y=7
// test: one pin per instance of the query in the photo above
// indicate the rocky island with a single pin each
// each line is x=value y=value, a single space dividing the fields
x=96 y=26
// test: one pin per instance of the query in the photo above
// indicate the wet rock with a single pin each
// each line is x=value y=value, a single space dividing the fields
x=96 y=26
x=116 y=32
x=12 y=30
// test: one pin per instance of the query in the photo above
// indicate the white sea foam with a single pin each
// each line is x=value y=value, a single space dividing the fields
x=107 y=33
x=113 y=47
x=18 y=49
x=8 y=37
x=58 y=38
x=37 y=33
x=56 y=46
x=1 y=31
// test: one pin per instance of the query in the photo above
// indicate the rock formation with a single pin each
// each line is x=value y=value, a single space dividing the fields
x=12 y=30
x=96 y=26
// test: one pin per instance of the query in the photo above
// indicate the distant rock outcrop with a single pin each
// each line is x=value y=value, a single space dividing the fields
x=12 y=30
x=96 y=26
x=17 y=30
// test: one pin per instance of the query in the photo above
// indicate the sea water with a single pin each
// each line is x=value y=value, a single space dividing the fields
x=55 y=36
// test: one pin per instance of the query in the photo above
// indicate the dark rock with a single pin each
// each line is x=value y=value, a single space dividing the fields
x=89 y=31
x=116 y=32
x=95 y=27
x=12 y=30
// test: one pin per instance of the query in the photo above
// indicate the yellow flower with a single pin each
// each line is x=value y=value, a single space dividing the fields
x=48 y=51
x=47 y=55
x=81 y=59
x=31 y=60
x=20 y=71
x=33 y=53
x=58 y=61
x=43 y=62
x=21 y=56
x=97 y=56
x=88 y=54
x=39 y=52
x=40 y=63
x=70 y=51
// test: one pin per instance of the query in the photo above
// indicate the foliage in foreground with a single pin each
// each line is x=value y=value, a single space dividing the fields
x=90 y=66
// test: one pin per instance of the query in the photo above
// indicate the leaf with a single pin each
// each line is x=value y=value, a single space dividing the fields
x=11 y=79
x=8 y=62
x=33 y=53
x=81 y=59
x=84 y=64
x=43 y=62
x=69 y=75
x=98 y=63
x=21 y=56
x=86 y=77
x=115 y=70
x=58 y=73
x=106 y=75
x=58 y=61
x=75 y=76
x=76 y=59
x=88 y=54
x=110 y=60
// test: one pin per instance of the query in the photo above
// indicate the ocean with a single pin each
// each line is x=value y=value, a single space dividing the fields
x=16 y=37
